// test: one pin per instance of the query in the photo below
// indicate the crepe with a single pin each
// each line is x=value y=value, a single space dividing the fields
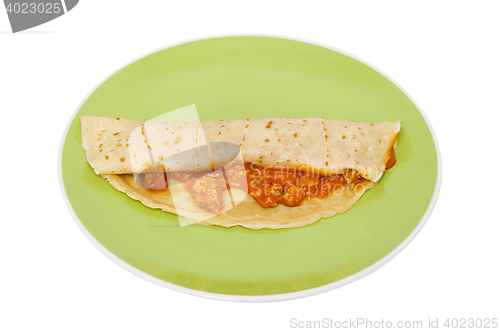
x=249 y=213
x=118 y=149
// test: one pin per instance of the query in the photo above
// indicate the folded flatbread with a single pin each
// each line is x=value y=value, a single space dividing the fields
x=350 y=156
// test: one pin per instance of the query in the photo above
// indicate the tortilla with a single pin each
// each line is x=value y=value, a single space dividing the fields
x=118 y=149
x=330 y=146
x=249 y=213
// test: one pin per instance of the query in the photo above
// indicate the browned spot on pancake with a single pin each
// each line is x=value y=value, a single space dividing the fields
x=295 y=135
x=122 y=159
x=268 y=126
x=220 y=132
x=117 y=118
x=107 y=157
x=100 y=145
x=267 y=140
x=118 y=133
x=343 y=136
x=279 y=139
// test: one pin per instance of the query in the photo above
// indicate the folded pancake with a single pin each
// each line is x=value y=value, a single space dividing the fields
x=224 y=160
x=249 y=213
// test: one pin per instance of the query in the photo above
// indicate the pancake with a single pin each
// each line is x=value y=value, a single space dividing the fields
x=257 y=173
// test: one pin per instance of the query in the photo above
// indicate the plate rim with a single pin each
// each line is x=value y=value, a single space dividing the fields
x=256 y=298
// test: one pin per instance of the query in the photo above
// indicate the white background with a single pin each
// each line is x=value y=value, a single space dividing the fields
x=445 y=54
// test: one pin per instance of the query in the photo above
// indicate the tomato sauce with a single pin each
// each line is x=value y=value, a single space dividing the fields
x=206 y=192
x=289 y=186
x=153 y=179
x=392 y=160
x=269 y=186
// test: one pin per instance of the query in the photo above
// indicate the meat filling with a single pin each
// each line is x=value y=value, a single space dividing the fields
x=269 y=186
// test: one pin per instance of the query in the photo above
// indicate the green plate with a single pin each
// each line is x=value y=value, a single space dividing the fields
x=254 y=77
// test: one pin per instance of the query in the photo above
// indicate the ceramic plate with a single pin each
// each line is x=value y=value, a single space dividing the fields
x=254 y=77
